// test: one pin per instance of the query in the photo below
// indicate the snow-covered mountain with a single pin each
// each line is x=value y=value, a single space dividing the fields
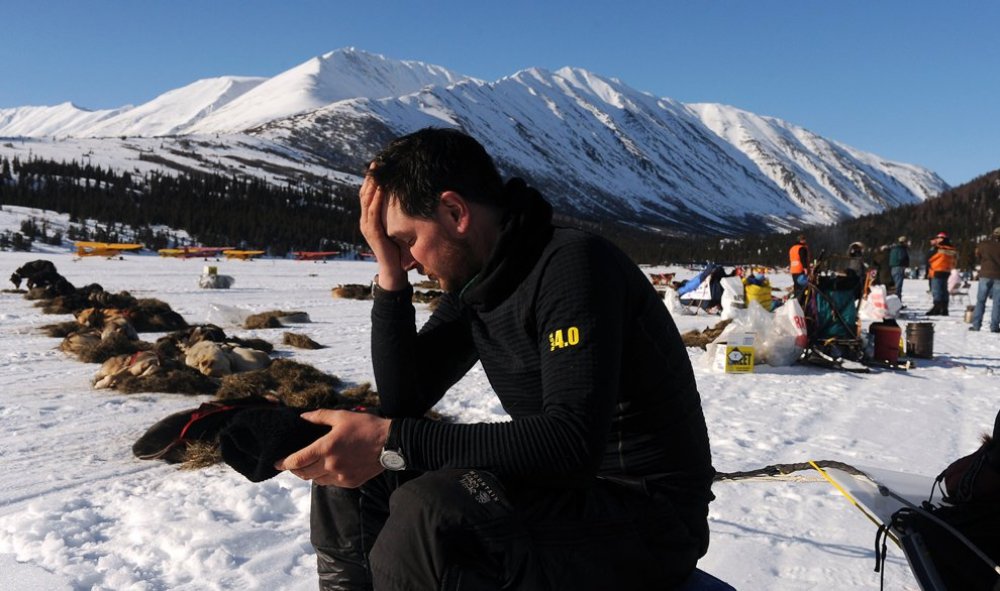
x=597 y=147
x=59 y=120
x=176 y=111
x=332 y=77
x=817 y=172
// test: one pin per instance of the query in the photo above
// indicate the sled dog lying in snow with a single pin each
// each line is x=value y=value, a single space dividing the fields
x=140 y=364
x=119 y=326
x=217 y=360
x=78 y=342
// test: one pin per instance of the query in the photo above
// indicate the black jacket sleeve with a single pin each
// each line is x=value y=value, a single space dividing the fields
x=576 y=323
x=413 y=370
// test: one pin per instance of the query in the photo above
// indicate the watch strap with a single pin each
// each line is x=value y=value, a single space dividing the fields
x=400 y=296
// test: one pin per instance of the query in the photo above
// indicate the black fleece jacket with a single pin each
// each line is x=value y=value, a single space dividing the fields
x=578 y=347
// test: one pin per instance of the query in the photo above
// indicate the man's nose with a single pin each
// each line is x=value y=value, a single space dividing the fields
x=406 y=259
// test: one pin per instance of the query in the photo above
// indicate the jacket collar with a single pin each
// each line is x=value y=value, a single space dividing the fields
x=527 y=229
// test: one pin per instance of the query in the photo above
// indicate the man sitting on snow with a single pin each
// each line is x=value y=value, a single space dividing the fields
x=602 y=478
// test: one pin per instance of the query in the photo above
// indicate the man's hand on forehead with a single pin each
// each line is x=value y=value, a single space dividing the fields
x=374 y=218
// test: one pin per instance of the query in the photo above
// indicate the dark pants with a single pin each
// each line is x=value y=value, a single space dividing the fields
x=988 y=288
x=462 y=529
x=799 y=287
x=898 y=277
x=939 y=293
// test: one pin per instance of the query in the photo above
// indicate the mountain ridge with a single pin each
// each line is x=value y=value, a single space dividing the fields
x=597 y=147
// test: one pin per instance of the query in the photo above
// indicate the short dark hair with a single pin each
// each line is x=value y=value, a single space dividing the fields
x=416 y=168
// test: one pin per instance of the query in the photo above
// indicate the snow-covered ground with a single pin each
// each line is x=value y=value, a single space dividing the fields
x=77 y=511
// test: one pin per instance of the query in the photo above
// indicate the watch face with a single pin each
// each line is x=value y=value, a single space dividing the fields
x=392 y=460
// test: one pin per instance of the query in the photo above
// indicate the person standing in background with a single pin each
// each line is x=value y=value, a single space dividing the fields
x=943 y=258
x=988 y=255
x=799 y=264
x=899 y=260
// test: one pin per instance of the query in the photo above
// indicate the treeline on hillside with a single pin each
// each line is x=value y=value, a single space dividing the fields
x=38 y=230
x=967 y=213
x=648 y=246
x=212 y=209
x=224 y=210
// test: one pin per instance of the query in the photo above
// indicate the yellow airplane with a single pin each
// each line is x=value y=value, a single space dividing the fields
x=187 y=252
x=103 y=249
x=243 y=255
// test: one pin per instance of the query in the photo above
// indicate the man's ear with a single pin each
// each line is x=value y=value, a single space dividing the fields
x=455 y=212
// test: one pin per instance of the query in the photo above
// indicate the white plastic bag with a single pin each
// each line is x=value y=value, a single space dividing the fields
x=790 y=319
x=780 y=336
x=673 y=302
x=892 y=306
x=873 y=307
x=221 y=315
x=733 y=296
x=753 y=320
x=787 y=337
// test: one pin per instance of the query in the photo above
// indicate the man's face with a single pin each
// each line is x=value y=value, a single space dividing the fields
x=431 y=246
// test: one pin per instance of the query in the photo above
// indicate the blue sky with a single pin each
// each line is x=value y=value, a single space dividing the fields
x=913 y=81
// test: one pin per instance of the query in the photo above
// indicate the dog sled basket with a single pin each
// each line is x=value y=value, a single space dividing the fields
x=835 y=308
x=832 y=326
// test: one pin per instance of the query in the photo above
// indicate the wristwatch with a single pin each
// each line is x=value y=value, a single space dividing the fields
x=392 y=459
x=404 y=295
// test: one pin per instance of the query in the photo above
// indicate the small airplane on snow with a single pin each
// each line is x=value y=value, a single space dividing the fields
x=243 y=255
x=103 y=249
x=302 y=255
x=191 y=252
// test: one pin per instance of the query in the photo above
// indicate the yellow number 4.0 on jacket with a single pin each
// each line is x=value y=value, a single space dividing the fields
x=560 y=339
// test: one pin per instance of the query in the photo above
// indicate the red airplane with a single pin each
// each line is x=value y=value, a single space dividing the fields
x=303 y=255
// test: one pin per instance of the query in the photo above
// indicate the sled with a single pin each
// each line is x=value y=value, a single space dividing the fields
x=864 y=491
x=833 y=322
x=878 y=494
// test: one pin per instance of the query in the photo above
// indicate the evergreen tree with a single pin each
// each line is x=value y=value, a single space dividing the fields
x=215 y=209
